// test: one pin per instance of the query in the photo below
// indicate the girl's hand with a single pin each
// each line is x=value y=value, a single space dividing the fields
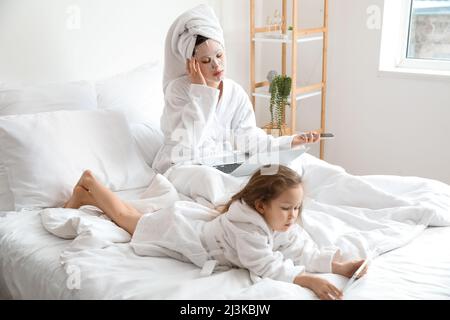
x=324 y=289
x=307 y=137
x=347 y=269
x=194 y=73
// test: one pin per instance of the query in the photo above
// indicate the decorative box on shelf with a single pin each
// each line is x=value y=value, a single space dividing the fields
x=276 y=131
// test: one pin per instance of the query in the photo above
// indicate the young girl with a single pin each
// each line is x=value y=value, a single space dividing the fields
x=256 y=231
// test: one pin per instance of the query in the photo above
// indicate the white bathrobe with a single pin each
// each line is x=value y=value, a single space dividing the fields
x=197 y=124
x=239 y=238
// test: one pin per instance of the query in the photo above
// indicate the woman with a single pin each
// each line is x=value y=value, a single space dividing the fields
x=205 y=113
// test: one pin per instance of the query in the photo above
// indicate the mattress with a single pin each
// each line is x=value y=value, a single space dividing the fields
x=30 y=268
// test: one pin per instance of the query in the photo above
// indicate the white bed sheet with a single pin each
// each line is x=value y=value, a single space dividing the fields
x=30 y=269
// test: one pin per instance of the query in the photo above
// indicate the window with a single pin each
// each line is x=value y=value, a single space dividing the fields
x=429 y=30
x=416 y=37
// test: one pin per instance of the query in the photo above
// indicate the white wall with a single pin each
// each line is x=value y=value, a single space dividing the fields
x=382 y=125
x=40 y=40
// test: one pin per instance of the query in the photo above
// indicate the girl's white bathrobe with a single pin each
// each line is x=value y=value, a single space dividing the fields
x=238 y=238
x=197 y=124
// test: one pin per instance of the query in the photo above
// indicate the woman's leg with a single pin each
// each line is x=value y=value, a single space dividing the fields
x=89 y=191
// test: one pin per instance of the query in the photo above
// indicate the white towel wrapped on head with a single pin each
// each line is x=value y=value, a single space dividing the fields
x=181 y=37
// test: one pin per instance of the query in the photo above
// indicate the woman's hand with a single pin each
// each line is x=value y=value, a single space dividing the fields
x=307 y=137
x=324 y=289
x=194 y=73
x=347 y=269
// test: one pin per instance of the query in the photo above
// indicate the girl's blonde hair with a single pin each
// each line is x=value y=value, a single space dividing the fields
x=266 y=187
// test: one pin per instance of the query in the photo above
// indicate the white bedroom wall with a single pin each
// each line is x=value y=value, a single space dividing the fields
x=383 y=125
x=58 y=40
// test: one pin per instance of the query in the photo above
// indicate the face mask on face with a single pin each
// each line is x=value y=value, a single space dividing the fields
x=211 y=54
x=216 y=63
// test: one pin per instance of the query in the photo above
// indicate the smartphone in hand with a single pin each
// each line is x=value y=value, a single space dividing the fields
x=324 y=136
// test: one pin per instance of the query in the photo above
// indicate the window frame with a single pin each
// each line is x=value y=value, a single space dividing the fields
x=394 y=44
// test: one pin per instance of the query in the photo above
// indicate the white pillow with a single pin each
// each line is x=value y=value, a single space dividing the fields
x=44 y=154
x=137 y=93
x=149 y=139
x=29 y=99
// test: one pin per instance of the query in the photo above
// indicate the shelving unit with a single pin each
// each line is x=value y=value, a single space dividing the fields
x=296 y=37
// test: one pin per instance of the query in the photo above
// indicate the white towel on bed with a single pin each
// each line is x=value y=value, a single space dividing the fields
x=181 y=37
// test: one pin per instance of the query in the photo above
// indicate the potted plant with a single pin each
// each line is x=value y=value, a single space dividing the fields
x=280 y=89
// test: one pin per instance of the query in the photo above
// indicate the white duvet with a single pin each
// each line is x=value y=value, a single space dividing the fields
x=357 y=214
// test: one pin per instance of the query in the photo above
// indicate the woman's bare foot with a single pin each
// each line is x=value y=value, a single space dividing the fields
x=86 y=180
x=80 y=197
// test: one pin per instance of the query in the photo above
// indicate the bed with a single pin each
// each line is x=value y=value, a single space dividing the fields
x=49 y=254
x=31 y=269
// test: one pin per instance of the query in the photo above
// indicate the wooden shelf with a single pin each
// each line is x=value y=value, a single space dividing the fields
x=298 y=96
x=281 y=35
x=275 y=130
x=286 y=40
x=301 y=92
x=285 y=130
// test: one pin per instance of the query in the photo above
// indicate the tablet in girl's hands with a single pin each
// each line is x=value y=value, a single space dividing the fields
x=357 y=274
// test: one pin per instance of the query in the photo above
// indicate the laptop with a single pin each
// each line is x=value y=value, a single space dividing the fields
x=239 y=164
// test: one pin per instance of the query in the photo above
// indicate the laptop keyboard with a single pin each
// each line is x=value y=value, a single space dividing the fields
x=228 y=168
